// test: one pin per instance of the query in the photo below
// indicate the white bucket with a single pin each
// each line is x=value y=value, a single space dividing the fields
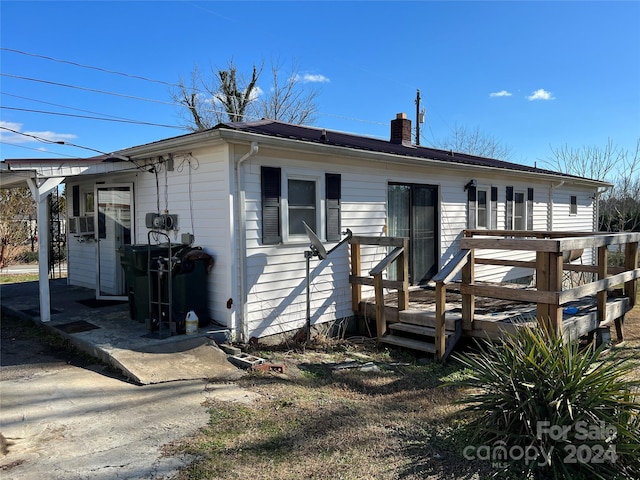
x=191 y=322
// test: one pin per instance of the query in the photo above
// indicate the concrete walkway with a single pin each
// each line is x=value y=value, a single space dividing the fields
x=64 y=422
x=114 y=338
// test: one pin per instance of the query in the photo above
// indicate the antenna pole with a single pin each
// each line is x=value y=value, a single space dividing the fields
x=418 y=117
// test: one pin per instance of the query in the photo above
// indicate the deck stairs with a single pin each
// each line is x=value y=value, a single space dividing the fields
x=416 y=330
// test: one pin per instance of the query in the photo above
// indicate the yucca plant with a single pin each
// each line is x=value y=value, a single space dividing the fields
x=542 y=407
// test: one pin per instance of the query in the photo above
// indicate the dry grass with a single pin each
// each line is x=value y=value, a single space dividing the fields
x=318 y=422
x=18 y=278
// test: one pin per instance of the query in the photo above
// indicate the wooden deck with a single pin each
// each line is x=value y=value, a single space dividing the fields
x=434 y=319
x=493 y=316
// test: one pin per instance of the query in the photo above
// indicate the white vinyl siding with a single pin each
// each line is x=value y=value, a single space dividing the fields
x=202 y=191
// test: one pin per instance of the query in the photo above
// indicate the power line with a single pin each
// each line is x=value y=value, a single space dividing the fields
x=105 y=92
x=135 y=122
x=54 y=142
x=37 y=149
x=139 y=77
x=100 y=69
x=63 y=106
x=87 y=89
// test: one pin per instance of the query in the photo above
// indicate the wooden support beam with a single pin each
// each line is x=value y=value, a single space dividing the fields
x=380 y=241
x=381 y=321
x=356 y=288
x=603 y=257
x=403 y=275
x=542 y=285
x=468 y=300
x=555 y=285
x=440 y=341
x=631 y=263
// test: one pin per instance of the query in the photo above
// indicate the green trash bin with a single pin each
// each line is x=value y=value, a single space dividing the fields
x=134 y=260
x=189 y=288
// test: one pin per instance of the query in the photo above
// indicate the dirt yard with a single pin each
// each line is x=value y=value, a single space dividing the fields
x=346 y=411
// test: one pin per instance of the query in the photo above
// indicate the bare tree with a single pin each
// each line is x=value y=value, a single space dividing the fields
x=288 y=100
x=223 y=96
x=474 y=142
x=620 y=205
x=591 y=162
x=17 y=208
x=226 y=96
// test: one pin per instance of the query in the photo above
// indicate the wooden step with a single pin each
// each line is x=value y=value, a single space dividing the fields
x=416 y=329
x=409 y=343
x=428 y=319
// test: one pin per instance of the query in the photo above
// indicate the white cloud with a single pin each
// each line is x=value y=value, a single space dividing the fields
x=540 y=94
x=501 y=93
x=312 y=78
x=11 y=132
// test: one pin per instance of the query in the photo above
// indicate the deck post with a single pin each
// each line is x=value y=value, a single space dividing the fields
x=403 y=274
x=468 y=301
x=381 y=321
x=356 y=288
x=542 y=285
x=603 y=256
x=440 y=340
x=631 y=263
x=555 y=285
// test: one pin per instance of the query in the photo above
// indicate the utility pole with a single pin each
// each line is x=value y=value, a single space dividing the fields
x=419 y=117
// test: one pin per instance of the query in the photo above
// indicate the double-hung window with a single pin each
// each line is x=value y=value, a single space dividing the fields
x=573 y=205
x=290 y=198
x=519 y=209
x=482 y=207
x=302 y=202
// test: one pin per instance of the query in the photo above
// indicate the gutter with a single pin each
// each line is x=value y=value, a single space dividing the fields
x=241 y=324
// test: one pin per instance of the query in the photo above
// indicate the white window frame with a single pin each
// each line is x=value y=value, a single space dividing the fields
x=487 y=207
x=318 y=179
x=85 y=194
x=573 y=205
x=524 y=209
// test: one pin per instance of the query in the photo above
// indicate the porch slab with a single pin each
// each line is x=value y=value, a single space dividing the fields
x=108 y=333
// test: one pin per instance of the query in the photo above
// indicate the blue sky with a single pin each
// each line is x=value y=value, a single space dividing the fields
x=530 y=74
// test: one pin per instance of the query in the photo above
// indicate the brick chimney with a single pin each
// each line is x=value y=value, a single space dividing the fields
x=401 y=129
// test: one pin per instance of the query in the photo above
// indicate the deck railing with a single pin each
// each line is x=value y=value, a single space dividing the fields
x=400 y=256
x=551 y=251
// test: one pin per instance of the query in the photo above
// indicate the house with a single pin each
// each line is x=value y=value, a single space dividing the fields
x=241 y=191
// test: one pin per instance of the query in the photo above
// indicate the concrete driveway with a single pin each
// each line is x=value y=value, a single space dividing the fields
x=64 y=417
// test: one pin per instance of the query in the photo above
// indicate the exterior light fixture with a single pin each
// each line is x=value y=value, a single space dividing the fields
x=470 y=183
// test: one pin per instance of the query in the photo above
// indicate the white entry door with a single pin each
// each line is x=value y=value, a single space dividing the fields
x=113 y=228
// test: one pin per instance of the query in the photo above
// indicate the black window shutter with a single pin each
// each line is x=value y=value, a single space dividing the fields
x=271 y=194
x=333 y=193
x=530 y=209
x=471 y=202
x=75 y=200
x=494 y=208
x=509 y=219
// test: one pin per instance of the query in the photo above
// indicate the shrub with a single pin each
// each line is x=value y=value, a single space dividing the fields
x=544 y=408
x=26 y=256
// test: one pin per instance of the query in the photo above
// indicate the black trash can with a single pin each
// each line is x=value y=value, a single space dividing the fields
x=134 y=260
x=189 y=288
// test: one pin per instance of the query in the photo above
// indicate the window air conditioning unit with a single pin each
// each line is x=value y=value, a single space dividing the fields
x=79 y=226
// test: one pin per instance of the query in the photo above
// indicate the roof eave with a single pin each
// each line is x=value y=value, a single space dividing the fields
x=236 y=136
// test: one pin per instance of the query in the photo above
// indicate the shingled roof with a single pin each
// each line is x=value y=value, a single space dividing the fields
x=303 y=133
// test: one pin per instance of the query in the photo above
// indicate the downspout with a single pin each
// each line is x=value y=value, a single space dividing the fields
x=241 y=323
x=596 y=218
x=550 y=219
